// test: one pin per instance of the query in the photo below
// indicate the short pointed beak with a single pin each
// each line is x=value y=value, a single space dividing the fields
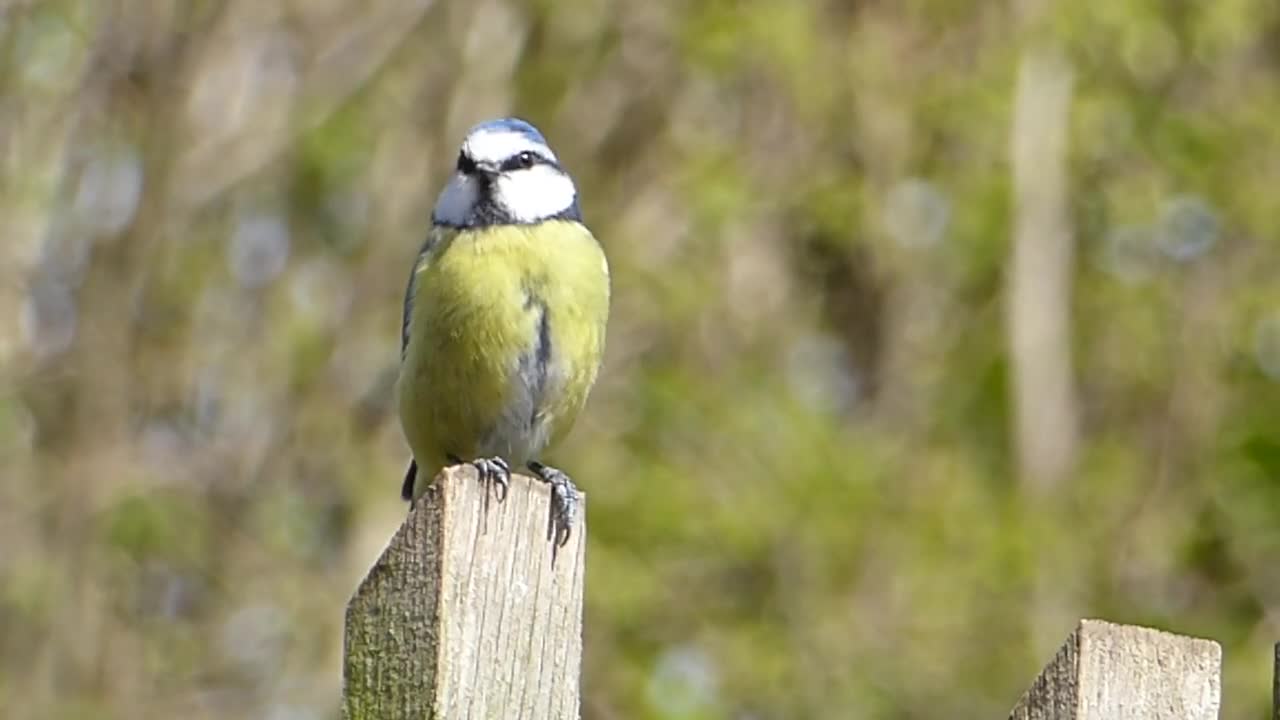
x=486 y=172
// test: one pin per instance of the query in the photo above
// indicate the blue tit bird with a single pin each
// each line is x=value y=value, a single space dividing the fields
x=504 y=319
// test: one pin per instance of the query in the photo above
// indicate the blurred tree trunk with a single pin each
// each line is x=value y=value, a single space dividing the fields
x=1038 y=308
x=1040 y=272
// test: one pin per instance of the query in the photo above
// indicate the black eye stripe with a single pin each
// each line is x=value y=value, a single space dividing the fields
x=526 y=159
x=466 y=165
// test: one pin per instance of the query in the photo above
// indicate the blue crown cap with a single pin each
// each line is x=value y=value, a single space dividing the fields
x=512 y=125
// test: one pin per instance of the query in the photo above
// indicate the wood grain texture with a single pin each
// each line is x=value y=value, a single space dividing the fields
x=1107 y=671
x=465 y=615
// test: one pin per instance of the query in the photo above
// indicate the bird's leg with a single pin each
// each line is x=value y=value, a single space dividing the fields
x=410 y=478
x=564 y=502
x=493 y=472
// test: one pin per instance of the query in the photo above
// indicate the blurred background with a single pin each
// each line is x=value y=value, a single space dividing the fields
x=937 y=325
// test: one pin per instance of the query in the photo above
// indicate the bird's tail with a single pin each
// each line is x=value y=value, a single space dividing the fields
x=406 y=490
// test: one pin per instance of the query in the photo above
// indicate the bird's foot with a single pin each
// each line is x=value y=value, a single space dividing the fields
x=494 y=473
x=564 y=503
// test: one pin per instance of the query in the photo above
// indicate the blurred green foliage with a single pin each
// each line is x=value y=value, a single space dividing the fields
x=805 y=498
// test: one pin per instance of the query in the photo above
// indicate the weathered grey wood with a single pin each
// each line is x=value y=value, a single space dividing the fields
x=1106 y=671
x=464 y=614
x=1275 y=685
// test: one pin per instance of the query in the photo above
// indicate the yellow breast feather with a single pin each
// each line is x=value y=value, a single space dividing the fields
x=504 y=333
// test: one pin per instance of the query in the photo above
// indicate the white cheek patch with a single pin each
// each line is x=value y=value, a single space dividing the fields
x=454 y=205
x=535 y=194
x=494 y=146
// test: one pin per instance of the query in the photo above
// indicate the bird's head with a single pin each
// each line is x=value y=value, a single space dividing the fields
x=506 y=175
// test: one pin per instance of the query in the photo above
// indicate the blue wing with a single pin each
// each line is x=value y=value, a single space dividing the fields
x=411 y=290
x=410 y=294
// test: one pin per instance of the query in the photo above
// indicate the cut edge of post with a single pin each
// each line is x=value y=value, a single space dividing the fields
x=1104 y=666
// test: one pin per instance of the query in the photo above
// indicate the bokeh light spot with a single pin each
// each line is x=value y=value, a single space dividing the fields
x=320 y=290
x=48 y=319
x=1188 y=228
x=821 y=374
x=916 y=213
x=683 y=683
x=259 y=249
x=109 y=189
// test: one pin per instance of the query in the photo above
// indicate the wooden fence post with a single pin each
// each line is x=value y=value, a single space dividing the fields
x=1275 y=685
x=1106 y=671
x=464 y=615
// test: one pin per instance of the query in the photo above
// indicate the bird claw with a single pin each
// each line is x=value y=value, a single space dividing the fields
x=563 y=506
x=494 y=472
